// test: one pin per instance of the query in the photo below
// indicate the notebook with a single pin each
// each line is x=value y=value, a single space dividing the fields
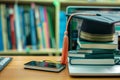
x=86 y=70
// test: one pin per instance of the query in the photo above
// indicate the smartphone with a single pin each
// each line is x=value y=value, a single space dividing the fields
x=44 y=66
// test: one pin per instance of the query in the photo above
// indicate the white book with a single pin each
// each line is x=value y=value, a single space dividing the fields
x=92 y=61
x=18 y=28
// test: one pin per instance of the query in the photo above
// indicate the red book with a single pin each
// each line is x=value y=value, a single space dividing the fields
x=12 y=27
x=46 y=27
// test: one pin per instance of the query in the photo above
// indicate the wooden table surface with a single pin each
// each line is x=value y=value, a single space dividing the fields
x=15 y=71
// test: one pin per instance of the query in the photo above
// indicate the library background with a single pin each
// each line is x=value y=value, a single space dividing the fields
x=37 y=26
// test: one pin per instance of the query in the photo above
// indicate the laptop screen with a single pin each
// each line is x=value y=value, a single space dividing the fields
x=73 y=26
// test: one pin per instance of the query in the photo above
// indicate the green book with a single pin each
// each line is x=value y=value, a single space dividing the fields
x=98 y=45
x=51 y=26
x=91 y=55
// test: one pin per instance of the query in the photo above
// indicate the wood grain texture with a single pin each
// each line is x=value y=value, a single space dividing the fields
x=15 y=71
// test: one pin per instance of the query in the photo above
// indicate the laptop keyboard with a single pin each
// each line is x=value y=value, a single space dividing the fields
x=4 y=61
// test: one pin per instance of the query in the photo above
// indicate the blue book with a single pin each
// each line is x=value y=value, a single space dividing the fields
x=33 y=30
x=8 y=32
x=1 y=36
x=27 y=25
x=22 y=21
x=62 y=28
x=41 y=10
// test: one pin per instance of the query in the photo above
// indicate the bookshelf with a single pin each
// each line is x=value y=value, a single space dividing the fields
x=57 y=6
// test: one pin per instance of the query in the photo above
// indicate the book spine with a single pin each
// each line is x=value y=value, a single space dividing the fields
x=27 y=25
x=97 y=45
x=47 y=35
x=4 y=26
x=22 y=22
x=42 y=27
x=9 y=44
x=62 y=28
x=12 y=26
x=32 y=25
x=37 y=21
x=91 y=61
x=93 y=56
x=18 y=28
x=51 y=27
x=1 y=36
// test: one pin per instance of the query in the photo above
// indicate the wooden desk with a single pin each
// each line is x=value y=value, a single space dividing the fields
x=15 y=71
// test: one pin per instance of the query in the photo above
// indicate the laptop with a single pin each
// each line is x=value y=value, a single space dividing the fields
x=86 y=70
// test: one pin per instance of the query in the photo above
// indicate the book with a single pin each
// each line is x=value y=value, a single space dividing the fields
x=92 y=56
x=51 y=27
x=44 y=66
x=33 y=27
x=78 y=53
x=89 y=55
x=27 y=24
x=41 y=12
x=104 y=51
x=18 y=28
x=9 y=44
x=77 y=61
x=1 y=35
x=23 y=29
x=4 y=26
x=46 y=26
x=98 y=45
x=38 y=29
x=62 y=28
x=12 y=27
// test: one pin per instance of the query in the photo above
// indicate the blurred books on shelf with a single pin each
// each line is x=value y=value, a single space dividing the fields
x=22 y=29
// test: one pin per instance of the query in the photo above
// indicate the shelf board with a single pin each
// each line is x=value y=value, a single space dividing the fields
x=41 y=51
x=79 y=2
x=66 y=2
x=27 y=1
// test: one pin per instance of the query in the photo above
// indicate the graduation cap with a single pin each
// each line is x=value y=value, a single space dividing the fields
x=98 y=27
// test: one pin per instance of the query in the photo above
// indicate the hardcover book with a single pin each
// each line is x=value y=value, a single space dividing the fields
x=98 y=45
x=78 y=53
x=33 y=28
x=18 y=28
x=92 y=61
x=83 y=55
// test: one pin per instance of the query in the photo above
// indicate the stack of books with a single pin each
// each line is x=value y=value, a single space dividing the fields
x=93 y=53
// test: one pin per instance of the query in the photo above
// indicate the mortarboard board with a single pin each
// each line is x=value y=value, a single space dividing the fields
x=98 y=27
